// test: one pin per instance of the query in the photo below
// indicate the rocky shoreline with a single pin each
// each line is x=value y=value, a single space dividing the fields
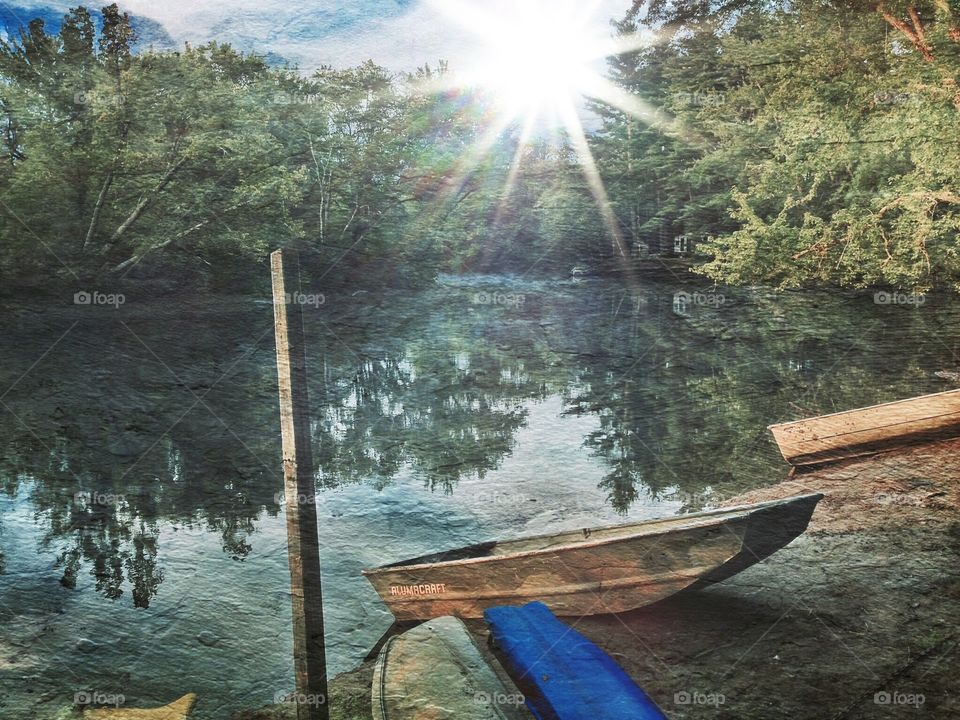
x=855 y=620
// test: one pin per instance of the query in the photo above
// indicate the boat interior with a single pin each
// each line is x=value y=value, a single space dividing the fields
x=573 y=537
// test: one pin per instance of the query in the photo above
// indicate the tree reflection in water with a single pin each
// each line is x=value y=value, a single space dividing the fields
x=161 y=413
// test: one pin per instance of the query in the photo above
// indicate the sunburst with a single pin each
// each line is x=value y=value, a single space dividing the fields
x=540 y=61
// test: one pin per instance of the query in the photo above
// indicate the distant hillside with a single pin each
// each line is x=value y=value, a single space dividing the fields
x=150 y=33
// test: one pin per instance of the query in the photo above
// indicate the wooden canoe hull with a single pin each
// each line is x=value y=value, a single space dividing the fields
x=606 y=570
x=771 y=527
x=436 y=672
x=866 y=430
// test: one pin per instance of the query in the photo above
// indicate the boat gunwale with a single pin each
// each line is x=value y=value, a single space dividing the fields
x=950 y=420
x=717 y=516
x=855 y=411
x=534 y=594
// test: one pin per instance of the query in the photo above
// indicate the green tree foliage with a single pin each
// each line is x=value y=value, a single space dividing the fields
x=187 y=167
x=811 y=140
x=112 y=158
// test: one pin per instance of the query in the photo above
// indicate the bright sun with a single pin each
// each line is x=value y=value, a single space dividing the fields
x=538 y=61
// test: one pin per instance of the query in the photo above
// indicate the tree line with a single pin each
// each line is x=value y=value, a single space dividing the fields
x=796 y=142
x=793 y=142
x=188 y=167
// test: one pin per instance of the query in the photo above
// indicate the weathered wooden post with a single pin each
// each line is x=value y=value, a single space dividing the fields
x=303 y=544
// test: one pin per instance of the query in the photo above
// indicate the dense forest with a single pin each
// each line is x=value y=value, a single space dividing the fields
x=794 y=141
x=790 y=142
x=190 y=166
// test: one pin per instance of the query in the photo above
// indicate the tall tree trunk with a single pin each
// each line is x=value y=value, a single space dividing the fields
x=137 y=257
x=142 y=205
x=915 y=34
x=95 y=218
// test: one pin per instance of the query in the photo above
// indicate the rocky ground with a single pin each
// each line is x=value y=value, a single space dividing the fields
x=858 y=619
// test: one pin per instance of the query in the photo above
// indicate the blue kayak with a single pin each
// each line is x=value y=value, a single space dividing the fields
x=563 y=675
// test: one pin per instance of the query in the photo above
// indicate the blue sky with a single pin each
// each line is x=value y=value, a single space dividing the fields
x=399 y=34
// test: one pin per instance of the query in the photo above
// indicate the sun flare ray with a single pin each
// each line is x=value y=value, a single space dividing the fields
x=522 y=143
x=588 y=165
x=454 y=182
x=540 y=64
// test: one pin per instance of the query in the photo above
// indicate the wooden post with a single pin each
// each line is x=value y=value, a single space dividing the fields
x=303 y=544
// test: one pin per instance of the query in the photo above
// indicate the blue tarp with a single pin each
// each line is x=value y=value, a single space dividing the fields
x=563 y=675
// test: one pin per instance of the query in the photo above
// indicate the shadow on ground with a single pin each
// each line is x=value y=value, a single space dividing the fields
x=859 y=619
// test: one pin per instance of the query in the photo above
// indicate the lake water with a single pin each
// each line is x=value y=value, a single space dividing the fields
x=142 y=537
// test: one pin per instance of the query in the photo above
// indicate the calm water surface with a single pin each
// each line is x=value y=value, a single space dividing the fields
x=142 y=545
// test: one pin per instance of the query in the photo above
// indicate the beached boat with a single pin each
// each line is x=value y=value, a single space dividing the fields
x=436 y=672
x=868 y=430
x=592 y=571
